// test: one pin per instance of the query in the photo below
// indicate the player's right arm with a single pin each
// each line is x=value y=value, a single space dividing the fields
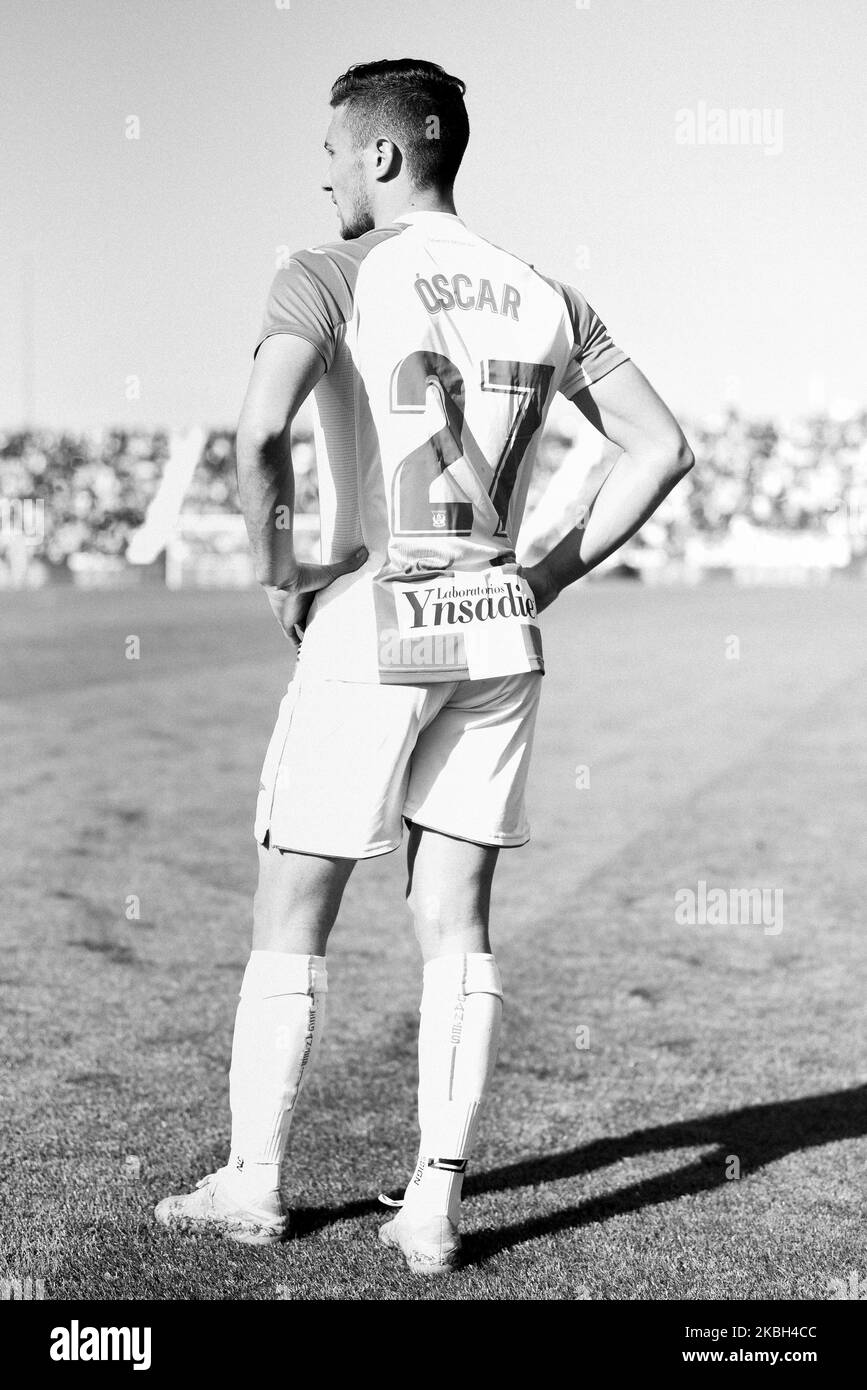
x=285 y=371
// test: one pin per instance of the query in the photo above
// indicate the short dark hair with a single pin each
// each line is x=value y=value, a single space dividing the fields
x=420 y=103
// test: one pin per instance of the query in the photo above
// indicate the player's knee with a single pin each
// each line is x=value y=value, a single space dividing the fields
x=428 y=911
x=278 y=906
x=266 y=913
x=439 y=916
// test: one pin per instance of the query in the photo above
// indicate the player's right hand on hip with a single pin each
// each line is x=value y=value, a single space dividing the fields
x=291 y=601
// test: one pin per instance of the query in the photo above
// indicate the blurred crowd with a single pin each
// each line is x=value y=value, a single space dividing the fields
x=93 y=491
x=808 y=475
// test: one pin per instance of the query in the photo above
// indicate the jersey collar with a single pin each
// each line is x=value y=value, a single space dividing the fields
x=423 y=213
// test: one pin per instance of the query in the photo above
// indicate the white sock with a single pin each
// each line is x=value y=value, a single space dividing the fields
x=277 y=1030
x=461 y=1012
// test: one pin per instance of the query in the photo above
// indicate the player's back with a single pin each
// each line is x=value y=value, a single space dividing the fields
x=443 y=354
x=457 y=344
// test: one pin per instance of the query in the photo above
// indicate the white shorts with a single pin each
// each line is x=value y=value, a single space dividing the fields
x=348 y=762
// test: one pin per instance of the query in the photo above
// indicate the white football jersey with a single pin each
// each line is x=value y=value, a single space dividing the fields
x=442 y=355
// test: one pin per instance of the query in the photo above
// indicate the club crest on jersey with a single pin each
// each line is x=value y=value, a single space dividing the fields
x=439 y=521
x=460 y=292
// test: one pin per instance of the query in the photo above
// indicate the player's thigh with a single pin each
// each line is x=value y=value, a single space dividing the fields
x=297 y=900
x=449 y=891
x=334 y=779
x=469 y=768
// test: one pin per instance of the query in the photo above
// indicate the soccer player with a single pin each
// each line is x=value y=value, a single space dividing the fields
x=432 y=356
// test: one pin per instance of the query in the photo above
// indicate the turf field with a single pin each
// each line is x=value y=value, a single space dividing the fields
x=603 y=1171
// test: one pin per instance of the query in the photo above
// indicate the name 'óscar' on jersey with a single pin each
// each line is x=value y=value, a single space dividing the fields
x=442 y=355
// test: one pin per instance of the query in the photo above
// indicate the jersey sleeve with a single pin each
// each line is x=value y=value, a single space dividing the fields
x=308 y=298
x=593 y=354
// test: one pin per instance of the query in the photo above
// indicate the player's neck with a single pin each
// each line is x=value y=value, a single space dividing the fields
x=427 y=200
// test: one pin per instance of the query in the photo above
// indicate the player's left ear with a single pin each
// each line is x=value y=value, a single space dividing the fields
x=386 y=159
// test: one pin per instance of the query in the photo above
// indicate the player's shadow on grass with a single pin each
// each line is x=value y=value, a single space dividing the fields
x=756 y=1135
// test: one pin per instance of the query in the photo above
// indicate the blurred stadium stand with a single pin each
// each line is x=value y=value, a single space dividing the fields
x=765 y=500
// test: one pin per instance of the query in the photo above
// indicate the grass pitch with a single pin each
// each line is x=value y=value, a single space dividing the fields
x=678 y=1111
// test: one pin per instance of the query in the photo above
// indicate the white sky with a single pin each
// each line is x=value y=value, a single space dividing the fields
x=716 y=267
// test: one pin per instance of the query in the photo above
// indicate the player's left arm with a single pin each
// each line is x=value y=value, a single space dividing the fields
x=285 y=371
x=627 y=410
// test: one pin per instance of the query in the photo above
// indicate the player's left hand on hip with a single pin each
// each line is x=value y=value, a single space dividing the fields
x=291 y=601
x=544 y=589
